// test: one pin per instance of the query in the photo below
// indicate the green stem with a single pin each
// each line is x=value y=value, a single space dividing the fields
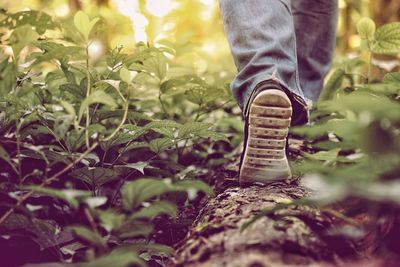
x=209 y=111
x=66 y=148
x=124 y=117
x=119 y=154
x=126 y=109
x=162 y=104
x=369 y=44
x=19 y=151
x=87 y=95
x=369 y=67
x=196 y=119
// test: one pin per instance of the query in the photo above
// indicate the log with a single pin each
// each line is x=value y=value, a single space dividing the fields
x=291 y=236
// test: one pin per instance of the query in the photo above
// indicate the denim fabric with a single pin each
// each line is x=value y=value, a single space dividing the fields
x=263 y=36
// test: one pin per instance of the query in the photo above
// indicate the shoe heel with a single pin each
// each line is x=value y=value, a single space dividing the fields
x=264 y=159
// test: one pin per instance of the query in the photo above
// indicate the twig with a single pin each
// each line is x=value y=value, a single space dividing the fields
x=19 y=152
x=90 y=219
x=340 y=216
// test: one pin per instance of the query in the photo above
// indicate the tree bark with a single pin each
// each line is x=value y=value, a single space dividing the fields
x=74 y=5
x=385 y=11
x=294 y=235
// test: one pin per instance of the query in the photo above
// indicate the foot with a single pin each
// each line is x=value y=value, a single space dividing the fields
x=264 y=157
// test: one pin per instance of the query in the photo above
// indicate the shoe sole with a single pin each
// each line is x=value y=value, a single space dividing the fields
x=264 y=157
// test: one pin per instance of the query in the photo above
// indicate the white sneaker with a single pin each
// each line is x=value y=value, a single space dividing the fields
x=267 y=125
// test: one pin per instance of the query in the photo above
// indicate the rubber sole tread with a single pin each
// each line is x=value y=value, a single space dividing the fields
x=264 y=158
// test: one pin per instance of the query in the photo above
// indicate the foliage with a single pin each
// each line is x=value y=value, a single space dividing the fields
x=92 y=153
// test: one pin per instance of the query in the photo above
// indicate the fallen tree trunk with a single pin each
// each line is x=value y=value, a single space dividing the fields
x=294 y=235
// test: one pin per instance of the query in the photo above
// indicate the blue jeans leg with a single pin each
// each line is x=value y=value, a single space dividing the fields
x=262 y=38
x=315 y=24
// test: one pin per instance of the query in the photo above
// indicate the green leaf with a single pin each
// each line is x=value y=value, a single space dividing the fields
x=114 y=83
x=329 y=156
x=37 y=19
x=62 y=124
x=157 y=66
x=132 y=146
x=196 y=95
x=123 y=138
x=95 y=176
x=160 y=144
x=139 y=166
x=130 y=132
x=62 y=53
x=333 y=84
x=22 y=37
x=8 y=76
x=72 y=91
x=191 y=129
x=376 y=105
x=348 y=131
x=166 y=127
x=180 y=81
x=117 y=258
x=96 y=97
x=393 y=77
x=111 y=219
x=389 y=87
x=68 y=108
x=136 y=192
x=68 y=195
x=212 y=135
x=117 y=113
x=170 y=84
x=4 y=156
x=366 y=28
x=89 y=236
x=197 y=185
x=313 y=131
x=155 y=209
x=83 y=24
x=95 y=202
x=387 y=39
x=134 y=229
x=162 y=124
x=125 y=75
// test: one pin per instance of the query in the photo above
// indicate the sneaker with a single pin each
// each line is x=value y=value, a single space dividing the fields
x=267 y=125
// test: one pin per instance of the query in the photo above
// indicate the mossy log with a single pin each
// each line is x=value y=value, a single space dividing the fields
x=291 y=236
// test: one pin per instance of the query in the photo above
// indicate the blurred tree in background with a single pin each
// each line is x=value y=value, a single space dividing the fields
x=192 y=26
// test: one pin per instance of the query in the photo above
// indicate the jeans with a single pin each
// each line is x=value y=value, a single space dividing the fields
x=290 y=42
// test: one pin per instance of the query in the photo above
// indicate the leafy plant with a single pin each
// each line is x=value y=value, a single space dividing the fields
x=92 y=153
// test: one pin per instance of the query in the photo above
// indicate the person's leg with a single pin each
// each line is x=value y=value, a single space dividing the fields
x=315 y=24
x=262 y=40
